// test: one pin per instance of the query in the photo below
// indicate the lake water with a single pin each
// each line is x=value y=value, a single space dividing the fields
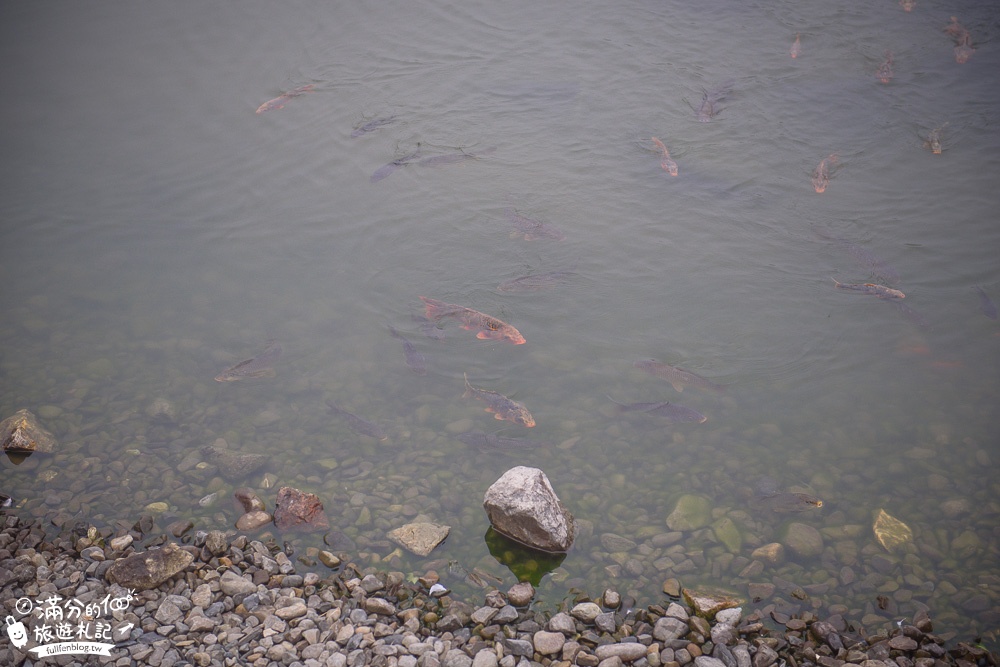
x=156 y=231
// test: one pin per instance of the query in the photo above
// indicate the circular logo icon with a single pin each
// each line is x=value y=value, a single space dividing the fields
x=23 y=606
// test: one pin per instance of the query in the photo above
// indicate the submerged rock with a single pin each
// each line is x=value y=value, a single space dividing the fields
x=149 y=569
x=21 y=433
x=691 y=512
x=523 y=506
x=419 y=538
x=232 y=465
x=803 y=540
x=299 y=509
x=706 y=603
x=890 y=531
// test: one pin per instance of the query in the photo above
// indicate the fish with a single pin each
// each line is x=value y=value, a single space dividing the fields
x=964 y=49
x=385 y=170
x=907 y=5
x=493 y=441
x=257 y=367
x=881 y=291
x=530 y=229
x=956 y=30
x=933 y=141
x=372 y=125
x=786 y=502
x=414 y=359
x=986 y=304
x=666 y=162
x=672 y=411
x=710 y=98
x=796 y=47
x=677 y=377
x=490 y=328
x=501 y=406
x=279 y=101
x=453 y=158
x=821 y=174
x=884 y=72
x=357 y=424
x=877 y=267
x=535 y=282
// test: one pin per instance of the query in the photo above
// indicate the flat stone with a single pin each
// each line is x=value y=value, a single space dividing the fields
x=803 y=540
x=585 y=611
x=294 y=610
x=233 y=584
x=707 y=602
x=521 y=594
x=252 y=521
x=149 y=569
x=419 y=538
x=548 y=643
x=624 y=652
x=690 y=513
x=233 y=466
x=668 y=628
x=300 y=510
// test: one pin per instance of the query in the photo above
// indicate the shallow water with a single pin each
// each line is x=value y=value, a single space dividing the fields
x=156 y=231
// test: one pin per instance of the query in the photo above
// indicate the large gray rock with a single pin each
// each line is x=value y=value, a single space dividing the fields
x=523 y=506
x=149 y=569
x=22 y=434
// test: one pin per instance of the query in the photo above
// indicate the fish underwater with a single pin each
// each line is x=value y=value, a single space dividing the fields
x=357 y=424
x=876 y=266
x=672 y=411
x=986 y=305
x=933 y=141
x=490 y=328
x=768 y=496
x=884 y=72
x=386 y=170
x=796 y=49
x=821 y=174
x=666 y=162
x=535 y=282
x=279 y=101
x=530 y=229
x=710 y=98
x=373 y=125
x=677 y=377
x=414 y=359
x=257 y=367
x=881 y=291
x=501 y=406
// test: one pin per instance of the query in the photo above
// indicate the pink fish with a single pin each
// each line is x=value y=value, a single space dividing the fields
x=666 y=162
x=490 y=328
x=821 y=174
x=279 y=101
x=884 y=72
x=796 y=47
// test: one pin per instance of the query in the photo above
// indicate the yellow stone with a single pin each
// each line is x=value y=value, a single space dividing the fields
x=890 y=532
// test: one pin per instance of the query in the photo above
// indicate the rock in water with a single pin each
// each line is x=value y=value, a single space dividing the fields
x=692 y=512
x=419 y=538
x=149 y=569
x=21 y=433
x=523 y=506
x=708 y=602
x=233 y=466
x=890 y=531
x=298 y=509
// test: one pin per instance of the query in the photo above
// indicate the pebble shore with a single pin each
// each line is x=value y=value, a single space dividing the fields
x=241 y=602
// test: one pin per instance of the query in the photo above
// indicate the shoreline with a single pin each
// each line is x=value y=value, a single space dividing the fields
x=239 y=602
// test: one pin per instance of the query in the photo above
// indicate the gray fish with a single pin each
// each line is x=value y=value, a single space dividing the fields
x=501 y=406
x=414 y=359
x=784 y=502
x=672 y=411
x=710 y=98
x=357 y=424
x=259 y=366
x=493 y=441
x=530 y=229
x=986 y=304
x=373 y=125
x=881 y=291
x=385 y=170
x=677 y=377
x=876 y=266
x=535 y=282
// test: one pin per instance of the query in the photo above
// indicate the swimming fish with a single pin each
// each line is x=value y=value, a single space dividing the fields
x=279 y=101
x=535 y=282
x=257 y=367
x=493 y=441
x=908 y=5
x=986 y=304
x=821 y=174
x=884 y=72
x=373 y=125
x=677 y=377
x=881 y=291
x=357 y=424
x=387 y=169
x=490 y=328
x=933 y=141
x=672 y=411
x=454 y=158
x=501 y=406
x=796 y=47
x=964 y=49
x=710 y=98
x=786 y=502
x=414 y=359
x=530 y=229
x=666 y=162
x=877 y=267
